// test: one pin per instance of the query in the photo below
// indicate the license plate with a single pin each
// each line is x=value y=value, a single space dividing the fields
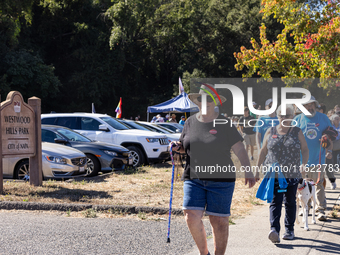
x=130 y=161
x=81 y=169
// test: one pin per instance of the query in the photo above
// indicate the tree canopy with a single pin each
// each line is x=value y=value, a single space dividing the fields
x=96 y=51
x=307 y=46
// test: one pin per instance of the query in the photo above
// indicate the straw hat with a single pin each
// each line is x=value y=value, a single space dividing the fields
x=193 y=96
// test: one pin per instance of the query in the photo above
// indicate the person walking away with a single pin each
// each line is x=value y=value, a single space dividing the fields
x=282 y=144
x=246 y=128
x=263 y=123
x=330 y=162
x=335 y=120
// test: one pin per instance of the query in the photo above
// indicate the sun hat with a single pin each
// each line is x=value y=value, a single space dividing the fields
x=167 y=116
x=254 y=103
x=268 y=101
x=158 y=115
x=193 y=96
x=172 y=115
x=311 y=100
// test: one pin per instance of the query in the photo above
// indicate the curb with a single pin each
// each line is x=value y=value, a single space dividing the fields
x=11 y=205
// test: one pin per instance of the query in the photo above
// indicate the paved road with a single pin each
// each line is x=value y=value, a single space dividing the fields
x=250 y=235
x=41 y=233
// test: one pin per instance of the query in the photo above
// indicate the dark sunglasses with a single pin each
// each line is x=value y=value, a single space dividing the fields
x=209 y=99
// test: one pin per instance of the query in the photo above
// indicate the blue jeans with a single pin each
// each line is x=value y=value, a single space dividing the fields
x=275 y=208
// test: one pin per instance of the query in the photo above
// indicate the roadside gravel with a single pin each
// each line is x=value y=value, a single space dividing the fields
x=43 y=233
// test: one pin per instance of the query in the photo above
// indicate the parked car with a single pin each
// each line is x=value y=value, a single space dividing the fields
x=176 y=127
x=58 y=161
x=145 y=146
x=135 y=125
x=172 y=136
x=100 y=156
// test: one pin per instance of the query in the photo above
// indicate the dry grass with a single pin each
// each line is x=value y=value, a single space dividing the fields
x=145 y=186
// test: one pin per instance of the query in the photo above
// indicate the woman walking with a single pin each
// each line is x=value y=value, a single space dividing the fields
x=206 y=145
x=282 y=145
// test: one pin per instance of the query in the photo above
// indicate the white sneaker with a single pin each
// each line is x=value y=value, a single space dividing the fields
x=289 y=235
x=333 y=185
x=274 y=236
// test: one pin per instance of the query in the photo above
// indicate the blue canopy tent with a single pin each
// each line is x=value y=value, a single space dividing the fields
x=181 y=103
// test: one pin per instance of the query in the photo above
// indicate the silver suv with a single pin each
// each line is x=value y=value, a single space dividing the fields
x=145 y=146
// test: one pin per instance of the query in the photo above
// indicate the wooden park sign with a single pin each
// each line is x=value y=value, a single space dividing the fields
x=18 y=127
x=20 y=133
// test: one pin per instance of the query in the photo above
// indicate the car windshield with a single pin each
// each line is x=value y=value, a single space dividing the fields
x=166 y=130
x=136 y=125
x=73 y=136
x=173 y=126
x=116 y=124
x=154 y=129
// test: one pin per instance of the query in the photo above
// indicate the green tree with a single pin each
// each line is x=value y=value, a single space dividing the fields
x=102 y=50
x=163 y=39
x=307 y=47
x=12 y=15
x=73 y=35
x=21 y=69
x=27 y=74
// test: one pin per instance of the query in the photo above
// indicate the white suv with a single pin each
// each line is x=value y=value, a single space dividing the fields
x=145 y=146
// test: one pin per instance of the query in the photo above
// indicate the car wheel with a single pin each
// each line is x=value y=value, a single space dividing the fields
x=22 y=171
x=137 y=156
x=93 y=165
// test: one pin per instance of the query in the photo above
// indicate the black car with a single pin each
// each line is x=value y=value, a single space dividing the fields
x=100 y=156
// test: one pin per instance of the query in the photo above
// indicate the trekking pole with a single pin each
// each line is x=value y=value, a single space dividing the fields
x=171 y=191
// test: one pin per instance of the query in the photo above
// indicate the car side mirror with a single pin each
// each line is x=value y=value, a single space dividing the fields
x=60 y=140
x=103 y=127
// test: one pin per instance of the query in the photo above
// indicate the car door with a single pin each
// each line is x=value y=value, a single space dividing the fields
x=90 y=128
x=49 y=136
x=69 y=122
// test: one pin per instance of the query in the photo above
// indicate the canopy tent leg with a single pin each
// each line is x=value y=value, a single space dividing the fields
x=147 y=118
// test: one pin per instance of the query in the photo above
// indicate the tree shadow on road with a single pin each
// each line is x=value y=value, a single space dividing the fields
x=71 y=195
x=321 y=246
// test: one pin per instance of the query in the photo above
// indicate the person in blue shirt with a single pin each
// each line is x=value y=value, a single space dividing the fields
x=335 y=120
x=263 y=123
x=182 y=121
x=312 y=127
